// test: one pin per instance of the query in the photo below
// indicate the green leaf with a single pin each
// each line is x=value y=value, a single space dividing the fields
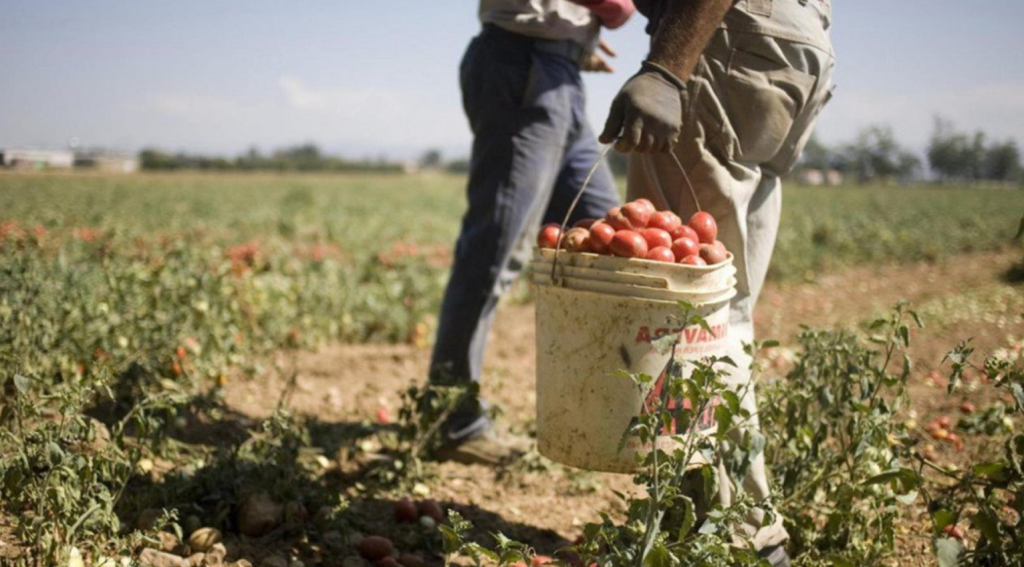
x=995 y=471
x=451 y=542
x=22 y=383
x=732 y=400
x=986 y=523
x=689 y=518
x=943 y=518
x=1020 y=229
x=659 y=556
x=770 y=343
x=948 y=551
x=908 y=498
x=1018 y=394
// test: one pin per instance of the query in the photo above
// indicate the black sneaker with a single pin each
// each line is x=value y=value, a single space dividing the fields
x=488 y=448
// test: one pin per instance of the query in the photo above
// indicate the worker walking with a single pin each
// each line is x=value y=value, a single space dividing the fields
x=732 y=88
x=532 y=147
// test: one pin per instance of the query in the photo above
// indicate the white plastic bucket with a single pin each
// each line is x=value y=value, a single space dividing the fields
x=590 y=329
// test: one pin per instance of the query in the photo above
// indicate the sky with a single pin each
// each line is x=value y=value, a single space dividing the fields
x=374 y=79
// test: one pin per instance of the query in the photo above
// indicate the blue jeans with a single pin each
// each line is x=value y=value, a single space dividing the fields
x=532 y=149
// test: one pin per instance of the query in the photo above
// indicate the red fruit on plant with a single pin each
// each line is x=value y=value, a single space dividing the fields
x=685 y=246
x=411 y=560
x=375 y=547
x=705 y=226
x=967 y=407
x=405 y=510
x=693 y=260
x=549 y=235
x=656 y=237
x=576 y=240
x=665 y=220
x=539 y=560
x=684 y=231
x=944 y=421
x=953 y=531
x=646 y=203
x=617 y=219
x=637 y=214
x=628 y=244
x=661 y=254
x=584 y=223
x=431 y=509
x=713 y=254
x=601 y=235
x=383 y=417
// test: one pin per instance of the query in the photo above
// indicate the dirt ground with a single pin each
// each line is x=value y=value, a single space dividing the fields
x=965 y=296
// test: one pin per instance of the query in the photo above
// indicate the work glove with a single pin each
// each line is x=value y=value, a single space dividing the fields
x=647 y=114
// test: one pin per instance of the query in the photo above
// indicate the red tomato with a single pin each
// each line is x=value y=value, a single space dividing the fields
x=705 y=226
x=656 y=237
x=685 y=246
x=539 y=560
x=584 y=223
x=628 y=244
x=637 y=214
x=967 y=407
x=601 y=235
x=431 y=509
x=664 y=220
x=383 y=417
x=549 y=235
x=683 y=230
x=405 y=510
x=375 y=547
x=944 y=421
x=713 y=254
x=661 y=254
x=646 y=203
x=576 y=240
x=953 y=531
x=693 y=260
x=617 y=219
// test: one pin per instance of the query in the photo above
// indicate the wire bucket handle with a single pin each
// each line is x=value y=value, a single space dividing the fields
x=583 y=187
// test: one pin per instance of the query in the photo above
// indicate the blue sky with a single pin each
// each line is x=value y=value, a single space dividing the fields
x=379 y=78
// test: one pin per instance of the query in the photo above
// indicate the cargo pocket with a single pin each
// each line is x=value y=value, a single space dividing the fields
x=763 y=98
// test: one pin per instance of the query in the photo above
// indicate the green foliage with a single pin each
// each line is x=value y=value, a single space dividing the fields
x=832 y=436
x=985 y=499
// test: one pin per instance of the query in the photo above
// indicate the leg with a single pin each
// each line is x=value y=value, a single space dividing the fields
x=600 y=194
x=517 y=152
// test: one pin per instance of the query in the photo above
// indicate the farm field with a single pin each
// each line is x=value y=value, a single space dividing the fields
x=233 y=349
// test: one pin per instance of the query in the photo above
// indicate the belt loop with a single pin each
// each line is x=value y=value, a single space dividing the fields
x=760 y=7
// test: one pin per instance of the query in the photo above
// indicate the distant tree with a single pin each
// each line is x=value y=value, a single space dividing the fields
x=1002 y=162
x=432 y=159
x=457 y=166
x=876 y=155
x=816 y=155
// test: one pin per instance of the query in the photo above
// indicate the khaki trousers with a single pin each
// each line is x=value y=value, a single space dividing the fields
x=748 y=111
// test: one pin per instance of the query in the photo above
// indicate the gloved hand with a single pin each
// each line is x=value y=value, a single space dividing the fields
x=648 y=112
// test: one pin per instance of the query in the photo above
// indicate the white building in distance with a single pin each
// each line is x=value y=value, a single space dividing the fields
x=27 y=158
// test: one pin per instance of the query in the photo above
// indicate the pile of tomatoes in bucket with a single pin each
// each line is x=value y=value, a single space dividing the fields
x=637 y=230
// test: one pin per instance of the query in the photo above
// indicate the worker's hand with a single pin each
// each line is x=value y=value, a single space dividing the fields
x=597 y=64
x=646 y=116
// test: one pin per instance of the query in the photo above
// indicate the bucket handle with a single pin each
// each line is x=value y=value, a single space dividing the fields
x=583 y=187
